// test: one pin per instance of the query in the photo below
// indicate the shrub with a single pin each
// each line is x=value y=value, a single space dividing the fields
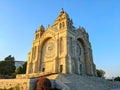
x=43 y=84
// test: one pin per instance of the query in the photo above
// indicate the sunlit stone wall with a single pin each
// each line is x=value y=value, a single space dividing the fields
x=18 y=84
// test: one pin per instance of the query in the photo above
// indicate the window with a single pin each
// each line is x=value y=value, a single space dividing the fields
x=78 y=50
x=63 y=24
x=60 y=26
x=80 y=68
x=37 y=36
x=43 y=70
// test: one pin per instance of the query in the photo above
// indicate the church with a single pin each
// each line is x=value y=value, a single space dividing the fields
x=61 y=48
x=62 y=55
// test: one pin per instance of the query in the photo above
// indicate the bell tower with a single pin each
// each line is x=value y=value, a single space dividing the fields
x=39 y=32
x=63 y=21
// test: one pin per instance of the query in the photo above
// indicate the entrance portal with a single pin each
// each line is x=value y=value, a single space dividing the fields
x=61 y=68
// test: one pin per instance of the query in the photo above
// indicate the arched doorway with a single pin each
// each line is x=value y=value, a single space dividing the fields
x=80 y=57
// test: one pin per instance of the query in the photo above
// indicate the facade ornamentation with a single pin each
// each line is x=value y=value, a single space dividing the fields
x=61 y=48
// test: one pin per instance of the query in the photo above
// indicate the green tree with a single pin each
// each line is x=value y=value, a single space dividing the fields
x=21 y=69
x=2 y=68
x=18 y=70
x=117 y=78
x=10 y=64
x=100 y=73
x=7 y=66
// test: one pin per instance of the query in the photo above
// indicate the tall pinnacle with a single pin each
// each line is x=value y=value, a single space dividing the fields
x=62 y=10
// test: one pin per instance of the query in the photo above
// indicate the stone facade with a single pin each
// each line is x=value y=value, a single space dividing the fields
x=61 y=48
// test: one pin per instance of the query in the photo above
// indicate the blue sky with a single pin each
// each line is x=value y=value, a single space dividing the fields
x=101 y=19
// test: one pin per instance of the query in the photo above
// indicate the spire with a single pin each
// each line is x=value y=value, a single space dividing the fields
x=62 y=10
x=41 y=28
x=39 y=32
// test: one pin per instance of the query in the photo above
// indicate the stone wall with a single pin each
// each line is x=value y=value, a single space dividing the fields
x=18 y=84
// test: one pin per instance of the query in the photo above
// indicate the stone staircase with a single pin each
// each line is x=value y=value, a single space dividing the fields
x=77 y=82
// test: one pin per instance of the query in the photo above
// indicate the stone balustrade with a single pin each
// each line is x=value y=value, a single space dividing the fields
x=33 y=75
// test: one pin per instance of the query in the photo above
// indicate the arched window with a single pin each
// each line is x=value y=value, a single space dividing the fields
x=60 y=26
x=78 y=50
x=80 y=68
x=37 y=36
x=63 y=24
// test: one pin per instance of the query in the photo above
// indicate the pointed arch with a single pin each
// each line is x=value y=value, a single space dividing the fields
x=47 y=43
